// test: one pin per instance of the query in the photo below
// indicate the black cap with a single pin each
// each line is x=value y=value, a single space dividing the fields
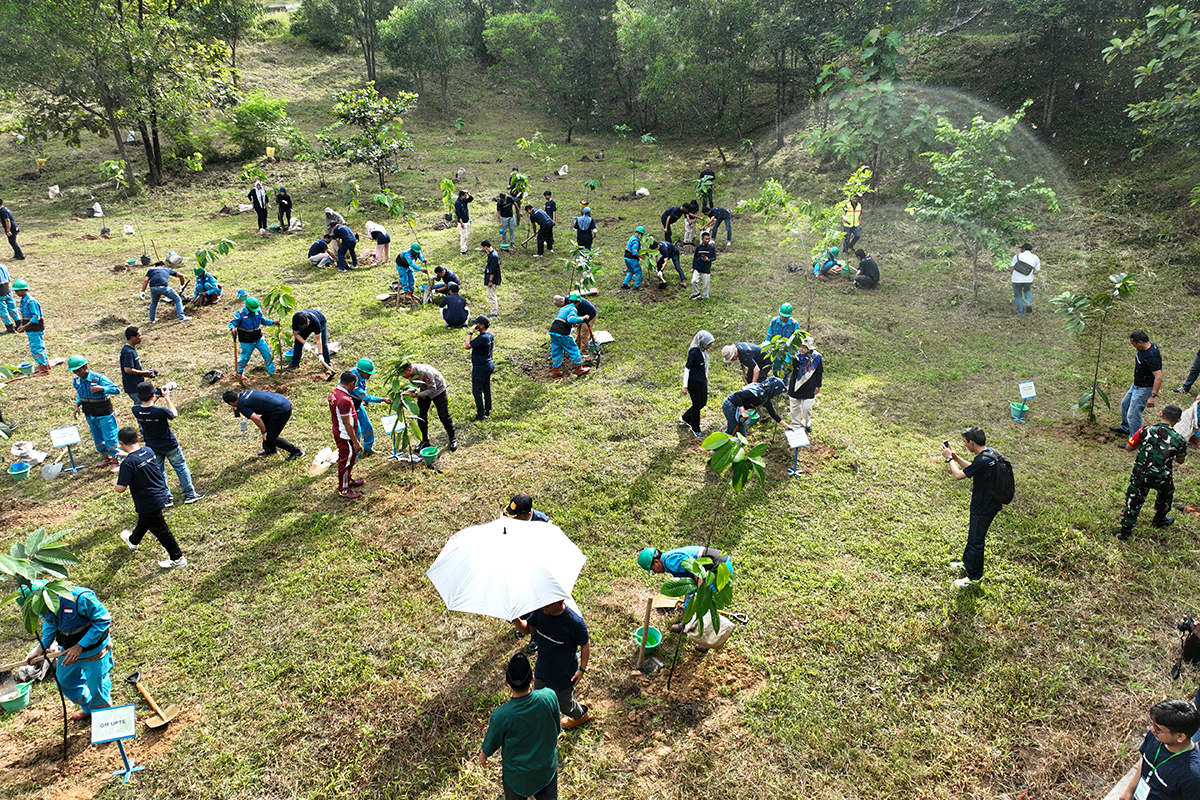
x=519 y=674
x=482 y=320
x=520 y=504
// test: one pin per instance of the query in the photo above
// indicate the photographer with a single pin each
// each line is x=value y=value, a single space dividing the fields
x=482 y=366
x=155 y=422
x=984 y=507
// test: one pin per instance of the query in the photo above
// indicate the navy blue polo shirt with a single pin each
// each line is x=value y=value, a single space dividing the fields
x=129 y=358
x=145 y=479
x=265 y=404
x=155 y=423
x=481 y=350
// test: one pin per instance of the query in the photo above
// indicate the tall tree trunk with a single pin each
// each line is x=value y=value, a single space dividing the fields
x=153 y=178
x=110 y=116
x=1055 y=34
x=155 y=140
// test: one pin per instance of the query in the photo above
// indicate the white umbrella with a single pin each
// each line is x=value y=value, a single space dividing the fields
x=506 y=568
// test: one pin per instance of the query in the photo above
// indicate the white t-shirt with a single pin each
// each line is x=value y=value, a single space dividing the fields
x=1029 y=258
x=1188 y=424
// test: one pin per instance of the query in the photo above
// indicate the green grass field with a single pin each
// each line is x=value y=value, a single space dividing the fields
x=313 y=658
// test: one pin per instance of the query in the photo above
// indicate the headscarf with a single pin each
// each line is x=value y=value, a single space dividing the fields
x=702 y=340
x=773 y=387
x=584 y=221
x=373 y=226
x=260 y=190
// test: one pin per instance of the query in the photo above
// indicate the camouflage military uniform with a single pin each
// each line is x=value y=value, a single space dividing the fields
x=1160 y=445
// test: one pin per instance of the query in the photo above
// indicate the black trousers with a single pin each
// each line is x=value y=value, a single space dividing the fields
x=698 y=392
x=442 y=403
x=481 y=388
x=284 y=212
x=979 y=522
x=545 y=237
x=262 y=218
x=156 y=524
x=271 y=439
x=12 y=240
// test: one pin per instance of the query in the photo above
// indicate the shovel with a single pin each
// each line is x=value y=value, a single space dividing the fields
x=7 y=684
x=50 y=471
x=161 y=717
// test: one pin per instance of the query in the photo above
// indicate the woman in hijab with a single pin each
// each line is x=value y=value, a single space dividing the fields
x=383 y=242
x=283 y=207
x=332 y=220
x=695 y=379
x=737 y=406
x=261 y=201
x=585 y=228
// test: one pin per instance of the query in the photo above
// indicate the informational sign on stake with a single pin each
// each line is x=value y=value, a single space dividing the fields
x=1026 y=389
x=796 y=438
x=64 y=437
x=115 y=725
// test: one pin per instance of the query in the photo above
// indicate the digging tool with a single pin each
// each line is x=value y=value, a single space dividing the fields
x=50 y=471
x=161 y=717
x=7 y=684
x=645 y=632
x=157 y=257
x=235 y=355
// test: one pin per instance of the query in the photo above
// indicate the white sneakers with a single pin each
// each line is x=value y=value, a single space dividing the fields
x=125 y=538
x=169 y=564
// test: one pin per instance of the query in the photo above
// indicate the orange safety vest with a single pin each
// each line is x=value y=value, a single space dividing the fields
x=853 y=212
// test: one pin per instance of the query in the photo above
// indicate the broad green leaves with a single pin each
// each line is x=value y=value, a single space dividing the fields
x=1077 y=311
x=376 y=138
x=736 y=453
x=35 y=560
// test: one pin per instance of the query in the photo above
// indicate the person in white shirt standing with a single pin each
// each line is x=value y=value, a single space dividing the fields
x=1024 y=265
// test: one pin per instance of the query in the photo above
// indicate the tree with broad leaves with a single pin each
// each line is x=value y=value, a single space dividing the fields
x=377 y=138
x=1078 y=311
x=969 y=194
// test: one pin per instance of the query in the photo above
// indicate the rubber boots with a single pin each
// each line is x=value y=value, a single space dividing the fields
x=9 y=328
x=555 y=372
x=580 y=369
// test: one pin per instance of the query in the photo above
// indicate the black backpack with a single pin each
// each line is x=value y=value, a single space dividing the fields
x=1004 y=486
x=1189 y=651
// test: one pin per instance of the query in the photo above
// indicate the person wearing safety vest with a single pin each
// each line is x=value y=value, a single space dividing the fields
x=81 y=627
x=363 y=370
x=206 y=291
x=560 y=337
x=246 y=325
x=8 y=306
x=33 y=325
x=852 y=223
x=91 y=396
x=633 y=259
x=406 y=265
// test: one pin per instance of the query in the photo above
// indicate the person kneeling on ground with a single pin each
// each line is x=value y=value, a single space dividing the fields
x=207 y=291
x=671 y=563
x=867 y=276
x=318 y=253
x=737 y=406
x=828 y=264
x=455 y=311
x=1170 y=760
x=561 y=341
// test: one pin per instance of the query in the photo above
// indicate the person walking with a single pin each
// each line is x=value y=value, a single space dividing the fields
x=544 y=227
x=408 y=263
x=142 y=476
x=462 y=215
x=1024 y=265
x=307 y=324
x=1147 y=378
x=155 y=423
x=158 y=280
x=695 y=380
x=703 y=257
x=633 y=260
x=525 y=730
x=739 y=404
x=132 y=373
x=283 y=209
x=347 y=241
x=383 y=242
x=345 y=436
x=1159 y=447
x=559 y=632
x=270 y=413
x=804 y=384
x=431 y=391
x=561 y=341
x=80 y=625
x=33 y=325
x=8 y=306
x=505 y=203
x=491 y=277
x=363 y=370
x=851 y=223
x=92 y=392
x=585 y=228
x=11 y=229
x=984 y=507
x=246 y=326
x=482 y=366
x=262 y=203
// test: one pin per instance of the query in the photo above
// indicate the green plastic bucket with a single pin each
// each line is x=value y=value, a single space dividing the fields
x=21 y=700
x=1018 y=410
x=652 y=641
x=27 y=368
x=430 y=455
x=19 y=471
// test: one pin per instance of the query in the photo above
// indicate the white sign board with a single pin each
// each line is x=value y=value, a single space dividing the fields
x=796 y=438
x=1026 y=389
x=64 y=437
x=111 y=724
x=389 y=423
x=603 y=337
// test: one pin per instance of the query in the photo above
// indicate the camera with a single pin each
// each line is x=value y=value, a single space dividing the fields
x=169 y=386
x=946 y=444
x=1186 y=625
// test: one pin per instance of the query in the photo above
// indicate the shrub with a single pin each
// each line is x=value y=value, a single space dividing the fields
x=316 y=22
x=257 y=122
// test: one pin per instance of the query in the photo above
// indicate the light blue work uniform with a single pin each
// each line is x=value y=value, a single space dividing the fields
x=560 y=336
x=633 y=267
x=92 y=393
x=248 y=325
x=8 y=306
x=366 y=432
x=31 y=317
x=82 y=620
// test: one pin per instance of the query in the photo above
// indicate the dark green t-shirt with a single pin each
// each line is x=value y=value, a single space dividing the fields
x=527 y=729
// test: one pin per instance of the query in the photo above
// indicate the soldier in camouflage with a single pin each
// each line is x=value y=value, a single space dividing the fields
x=1158 y=448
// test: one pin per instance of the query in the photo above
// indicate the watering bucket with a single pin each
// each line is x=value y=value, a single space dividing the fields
x=430 y=455
x=1018 y=411
x=653 y=638
x=19 y=471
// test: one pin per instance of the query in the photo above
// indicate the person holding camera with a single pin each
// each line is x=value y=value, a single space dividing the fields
x=132 y=373
x=482 y=366
x=155 y=422
x=1169 y=768
x=984 y=507
x=1159 y=447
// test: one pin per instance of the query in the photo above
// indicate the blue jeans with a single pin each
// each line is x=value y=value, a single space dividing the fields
x=104 y=434
x=248 y=348
x=157 y=292
x=1023 y=297
x=633 y=272
x=1132 y=406
x=662 y=262
x=179 y=464
x=507 y=234
x=88 y=683
x=366 y=432
x=561 y=343
x=734 y=422
x=728 y=223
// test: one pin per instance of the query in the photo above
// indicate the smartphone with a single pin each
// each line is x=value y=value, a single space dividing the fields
x=946 y=444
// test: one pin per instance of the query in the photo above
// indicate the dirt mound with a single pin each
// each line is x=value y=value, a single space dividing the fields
x=535 y=363
x=19 y=514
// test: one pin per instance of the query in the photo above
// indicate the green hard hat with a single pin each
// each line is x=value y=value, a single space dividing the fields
x=75 y=362
x=252 y=304
x=646 y=558
x=574 y=296
x=29 y=589
x=640 y=229
x=366 y=366
x=197 y=271
x=19 y=285
x=415 y=247
x=833 y=251
x=785 y=310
